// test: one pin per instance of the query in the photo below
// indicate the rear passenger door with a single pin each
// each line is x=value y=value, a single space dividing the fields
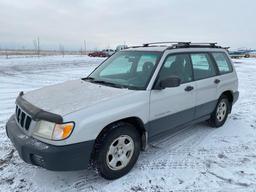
x=206 y=83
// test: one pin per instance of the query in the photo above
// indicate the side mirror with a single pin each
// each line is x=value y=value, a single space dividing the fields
x=172 y=81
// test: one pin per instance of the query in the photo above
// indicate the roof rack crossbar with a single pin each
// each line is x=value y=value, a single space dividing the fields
x=194 y=45
x=210 y=43
x=165 y=42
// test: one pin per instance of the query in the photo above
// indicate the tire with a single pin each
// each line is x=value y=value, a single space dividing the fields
x=117 y=151
x=220 y=114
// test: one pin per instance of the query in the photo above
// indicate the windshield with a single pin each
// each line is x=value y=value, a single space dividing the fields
x=127 y=69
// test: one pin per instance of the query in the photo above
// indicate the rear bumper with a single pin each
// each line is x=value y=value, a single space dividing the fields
x=57 y=158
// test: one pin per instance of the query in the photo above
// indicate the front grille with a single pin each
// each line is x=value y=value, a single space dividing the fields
x=23 y=119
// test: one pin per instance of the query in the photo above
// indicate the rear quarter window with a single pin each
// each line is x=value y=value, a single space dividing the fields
x=222 y=62
x=202 y=65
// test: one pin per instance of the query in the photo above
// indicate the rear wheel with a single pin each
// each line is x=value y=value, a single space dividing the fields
x=220 y=114
x=118 y=150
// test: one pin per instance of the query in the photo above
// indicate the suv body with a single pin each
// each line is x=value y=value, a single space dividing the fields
x=66 y=126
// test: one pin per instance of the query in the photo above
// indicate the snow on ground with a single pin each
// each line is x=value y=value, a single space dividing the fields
x=199 y=158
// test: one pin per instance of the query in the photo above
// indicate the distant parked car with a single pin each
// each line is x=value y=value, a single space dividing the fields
x=236 y=54
x=98 y=54
x=246 y=53
x=108 y=52
x=121 y=47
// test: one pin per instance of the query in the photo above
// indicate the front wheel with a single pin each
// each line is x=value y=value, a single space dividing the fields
x=118 y=151
x=220 y=114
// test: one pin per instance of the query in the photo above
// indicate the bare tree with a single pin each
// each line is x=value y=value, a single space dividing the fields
x=36 y=43
x=62 y=50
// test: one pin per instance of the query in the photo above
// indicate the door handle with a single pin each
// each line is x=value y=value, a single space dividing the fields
x=189 y=88
x=216 y=81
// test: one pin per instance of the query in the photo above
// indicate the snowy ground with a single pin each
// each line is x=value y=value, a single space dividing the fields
x=198 y=159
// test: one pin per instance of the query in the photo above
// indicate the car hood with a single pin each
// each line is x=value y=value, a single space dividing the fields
x=72 y=96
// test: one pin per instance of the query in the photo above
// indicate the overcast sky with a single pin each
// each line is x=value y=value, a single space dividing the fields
x=104 y=23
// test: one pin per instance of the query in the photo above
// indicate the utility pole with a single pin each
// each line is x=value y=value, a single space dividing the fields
x=38 y=46
x=35 y=46
x=36 y=43
x=85 y=47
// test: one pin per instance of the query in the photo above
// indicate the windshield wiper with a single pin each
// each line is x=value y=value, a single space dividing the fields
x=93 y=80
x=88 y=78
x=108 y=83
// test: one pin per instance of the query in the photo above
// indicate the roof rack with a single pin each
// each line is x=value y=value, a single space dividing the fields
x=180 y=44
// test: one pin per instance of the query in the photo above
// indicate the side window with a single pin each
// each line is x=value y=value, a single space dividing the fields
x=177 y=65
x=202 y=66
x=223 y=62
x=169 y=61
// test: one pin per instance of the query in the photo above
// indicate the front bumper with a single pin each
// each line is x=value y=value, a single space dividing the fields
x=57 y=158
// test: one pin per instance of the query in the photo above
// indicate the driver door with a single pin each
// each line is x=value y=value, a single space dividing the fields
x=174 y=106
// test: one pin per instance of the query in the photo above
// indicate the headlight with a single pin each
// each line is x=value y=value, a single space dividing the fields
x=53 y=131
